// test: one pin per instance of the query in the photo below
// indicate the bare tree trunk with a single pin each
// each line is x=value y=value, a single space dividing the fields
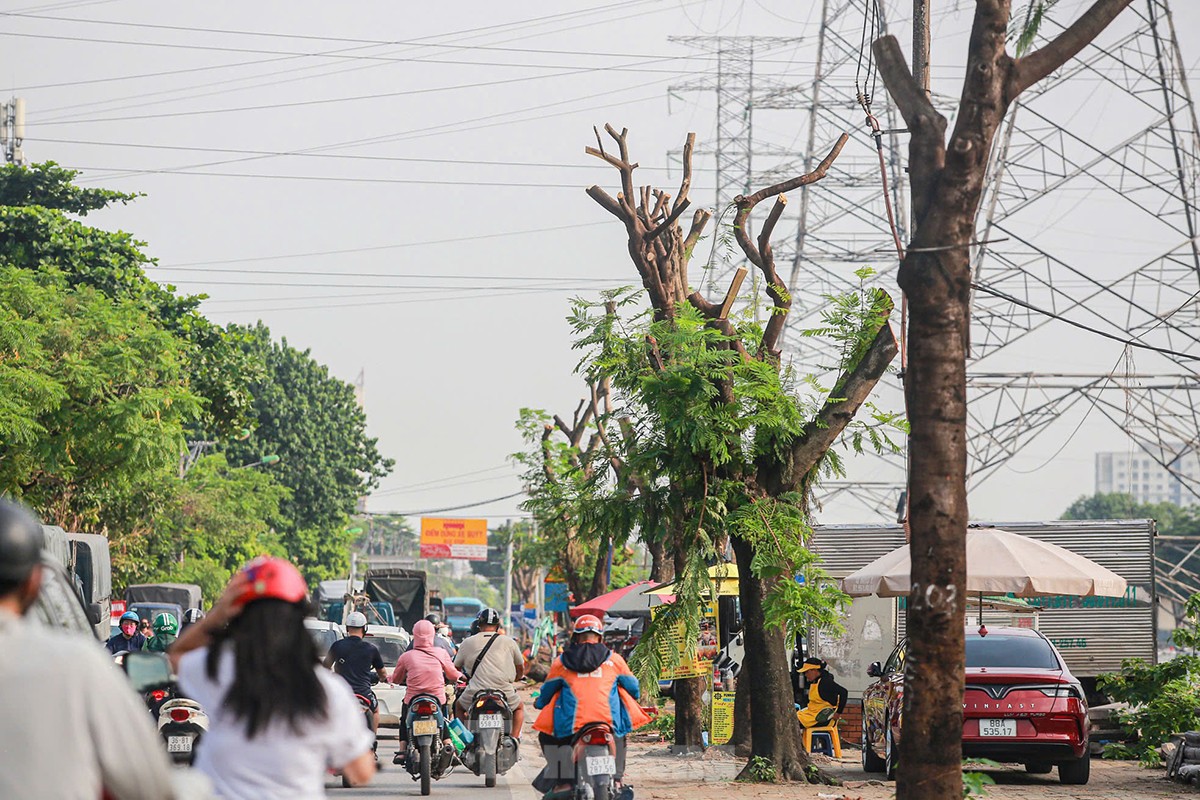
x=662 y=565
x=947 y=184
x=776 y=730
x=600 y=575
x=689 y=703
x=743 y=733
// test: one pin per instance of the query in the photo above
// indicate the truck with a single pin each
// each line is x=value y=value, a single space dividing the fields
x=403 y=588
x=1094 y=634
x=90 y=566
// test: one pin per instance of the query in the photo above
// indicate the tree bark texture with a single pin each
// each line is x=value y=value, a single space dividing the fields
x=947 y=184
x=689 y=703
x=772 y=718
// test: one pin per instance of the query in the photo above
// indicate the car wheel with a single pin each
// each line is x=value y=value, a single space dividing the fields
x=1038 y=768
x=1075 y=772
x=870 y=761
x=890 y=755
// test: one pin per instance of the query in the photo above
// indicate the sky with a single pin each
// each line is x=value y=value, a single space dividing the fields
x=400 y=189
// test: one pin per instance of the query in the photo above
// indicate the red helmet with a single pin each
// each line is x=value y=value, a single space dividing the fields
x=588 y=624
x=272 y=578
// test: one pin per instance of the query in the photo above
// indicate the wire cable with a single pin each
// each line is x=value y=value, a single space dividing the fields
x=458 y=507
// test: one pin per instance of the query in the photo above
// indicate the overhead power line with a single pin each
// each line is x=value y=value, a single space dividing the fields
x=456 y=508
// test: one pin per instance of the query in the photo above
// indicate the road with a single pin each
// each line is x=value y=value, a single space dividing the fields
x=461 y=784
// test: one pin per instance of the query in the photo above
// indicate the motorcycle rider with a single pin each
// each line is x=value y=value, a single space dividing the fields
x=73 y=726
x=190 y=617
x=127 y=639
x=424 y=669
x=492 y=661
x=277 y=719
x=442 y=637
x=587 y=683
x=165 y=631
x=354 y=658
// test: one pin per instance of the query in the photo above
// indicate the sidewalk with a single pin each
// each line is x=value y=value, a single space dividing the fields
x=658 y=775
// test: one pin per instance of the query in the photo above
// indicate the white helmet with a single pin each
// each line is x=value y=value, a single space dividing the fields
x=356 y=619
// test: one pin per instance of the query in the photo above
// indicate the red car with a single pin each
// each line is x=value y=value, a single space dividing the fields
x=1021 y=705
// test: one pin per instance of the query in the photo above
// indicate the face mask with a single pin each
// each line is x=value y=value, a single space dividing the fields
x=129 y=628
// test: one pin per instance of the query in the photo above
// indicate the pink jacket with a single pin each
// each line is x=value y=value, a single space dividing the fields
x=425 y=668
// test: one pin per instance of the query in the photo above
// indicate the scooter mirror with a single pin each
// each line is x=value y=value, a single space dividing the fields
x=147 y=671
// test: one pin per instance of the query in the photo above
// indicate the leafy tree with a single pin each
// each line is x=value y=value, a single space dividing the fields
x=313 y=422
x=37 y=234
x=719 y=427
x=206 y=526
x=93 y=397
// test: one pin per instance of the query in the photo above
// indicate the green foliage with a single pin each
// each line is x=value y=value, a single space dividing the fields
x=664 y=725
x=762 y=770
x=1164 y=699
x=206 y=526
x=313 y=422
x=1024 y=27
x=94 y=397
x=50 y=186
x=975 y=783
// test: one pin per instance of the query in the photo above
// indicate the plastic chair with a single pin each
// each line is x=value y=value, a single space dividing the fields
x=828 y=730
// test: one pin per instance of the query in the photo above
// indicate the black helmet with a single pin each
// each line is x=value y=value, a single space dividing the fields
x=434 y=618
x=21 y=542
x=192 y=615
x=489 y=616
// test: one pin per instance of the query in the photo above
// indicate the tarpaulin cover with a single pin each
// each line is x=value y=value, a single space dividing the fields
x=403 y=589
x=184 y=595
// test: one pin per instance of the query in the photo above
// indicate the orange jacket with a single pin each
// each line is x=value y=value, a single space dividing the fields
x=569 y=700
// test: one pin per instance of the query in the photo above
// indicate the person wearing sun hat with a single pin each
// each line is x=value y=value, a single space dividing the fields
x=826 y=697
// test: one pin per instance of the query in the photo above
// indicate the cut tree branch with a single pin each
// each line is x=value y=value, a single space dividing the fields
x=1041 y=62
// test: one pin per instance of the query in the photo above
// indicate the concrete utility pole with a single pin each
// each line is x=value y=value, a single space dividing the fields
x=12 y=130
x=508 y=564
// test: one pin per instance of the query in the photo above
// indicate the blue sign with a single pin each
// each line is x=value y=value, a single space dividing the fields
x=556 y=597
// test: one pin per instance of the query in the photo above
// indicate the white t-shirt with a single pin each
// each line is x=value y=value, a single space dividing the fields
x=277 y=762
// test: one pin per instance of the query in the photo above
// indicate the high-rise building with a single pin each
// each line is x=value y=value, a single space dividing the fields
x=1148 y=481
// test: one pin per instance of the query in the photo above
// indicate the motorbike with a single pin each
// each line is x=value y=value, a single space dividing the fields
x=181 y=722
x=594 y=752
x=428 y=756
x=492 y=751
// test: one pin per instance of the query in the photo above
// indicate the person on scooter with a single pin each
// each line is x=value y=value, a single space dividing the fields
x=424 y=669
x=277 y=719
x=72 y=725
x=355 y=659
x=492 y=661
x=165 y=631
x=587 y=683
x=127 y=639
x=190 y=617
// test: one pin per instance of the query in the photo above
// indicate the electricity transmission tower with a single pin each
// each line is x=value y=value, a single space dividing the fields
x=1088 y=228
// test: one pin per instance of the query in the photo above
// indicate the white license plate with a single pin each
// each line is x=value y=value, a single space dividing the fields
x=491 y=721
x=997 y=727
x=425 y=727
x=601 y=765
x=179 y=744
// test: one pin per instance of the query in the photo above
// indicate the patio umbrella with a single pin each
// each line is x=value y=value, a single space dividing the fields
x=724 y=577
x=624 y=602
x=998 y=562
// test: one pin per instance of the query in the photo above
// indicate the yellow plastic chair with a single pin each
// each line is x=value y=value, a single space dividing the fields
x=833 y=737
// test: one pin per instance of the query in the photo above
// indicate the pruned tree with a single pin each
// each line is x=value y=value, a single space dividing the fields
x=947 y=178
x=720 y=417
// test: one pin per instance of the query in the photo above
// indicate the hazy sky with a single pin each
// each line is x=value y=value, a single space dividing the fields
x=400 y=189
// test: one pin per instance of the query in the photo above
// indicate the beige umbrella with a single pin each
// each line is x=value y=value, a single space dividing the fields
x=998 y=562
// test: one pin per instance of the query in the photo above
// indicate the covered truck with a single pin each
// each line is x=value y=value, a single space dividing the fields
x=184 y=595
x=401 y=587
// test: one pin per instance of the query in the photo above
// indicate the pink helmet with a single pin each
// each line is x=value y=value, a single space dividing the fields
x=273 y=578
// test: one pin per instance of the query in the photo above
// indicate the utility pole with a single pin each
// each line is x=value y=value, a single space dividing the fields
x=508 y=565
x=921 y=44
x=12 y=130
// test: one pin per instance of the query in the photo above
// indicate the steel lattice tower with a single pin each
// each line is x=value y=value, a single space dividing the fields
x=1090 y=220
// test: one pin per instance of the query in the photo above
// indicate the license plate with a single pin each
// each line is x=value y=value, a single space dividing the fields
x=601 y=765
x=997 y=727
x=491 y=721
x=179 y=744
x=425 y=727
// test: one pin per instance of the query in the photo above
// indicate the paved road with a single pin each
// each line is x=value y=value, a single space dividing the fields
x=461 y=784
